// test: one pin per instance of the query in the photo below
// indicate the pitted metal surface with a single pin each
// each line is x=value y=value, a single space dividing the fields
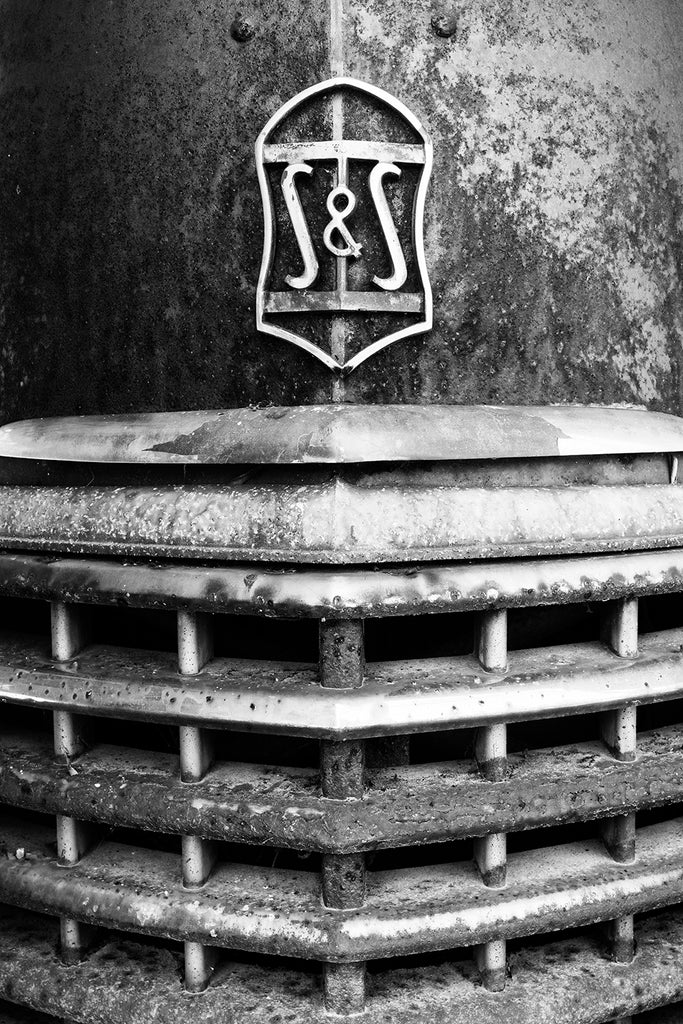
x=382 y=591
x=339 y=520
x=125 y=983
x=396 y=697
x=283 y=807
x=405 y=912
x=375 y=914
x=129 y=262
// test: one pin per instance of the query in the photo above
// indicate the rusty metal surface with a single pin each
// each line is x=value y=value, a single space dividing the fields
x=557 y=139
x=401 y=806
x=295 y=592
x=127 y=983
x=280 y=912
x=339 y=519
x=397 y=697
x=131 y=240
x=345 y=434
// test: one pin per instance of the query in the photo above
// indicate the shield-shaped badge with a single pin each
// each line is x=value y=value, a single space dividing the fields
x=343 y=169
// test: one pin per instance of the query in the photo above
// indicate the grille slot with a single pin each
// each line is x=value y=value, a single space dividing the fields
x=145 y=889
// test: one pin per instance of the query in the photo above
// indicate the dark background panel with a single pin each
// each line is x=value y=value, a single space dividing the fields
x=130 y=235
x=130 y=231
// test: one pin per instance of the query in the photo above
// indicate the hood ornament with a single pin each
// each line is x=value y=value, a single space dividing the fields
x=343 y=169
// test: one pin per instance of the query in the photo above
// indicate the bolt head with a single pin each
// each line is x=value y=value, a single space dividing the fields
x=242 y=29
x=445 y=25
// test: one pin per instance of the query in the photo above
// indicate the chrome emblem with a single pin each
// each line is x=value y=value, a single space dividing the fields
x=343 y=272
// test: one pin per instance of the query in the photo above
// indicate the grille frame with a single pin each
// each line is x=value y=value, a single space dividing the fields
x=344 y=642
x=622 y=541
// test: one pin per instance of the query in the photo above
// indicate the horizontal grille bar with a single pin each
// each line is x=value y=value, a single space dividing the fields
x=130 y=984
x=314 y=592
x=335 y=520
x=279 y=912
x=402 y=806
x=397 y=697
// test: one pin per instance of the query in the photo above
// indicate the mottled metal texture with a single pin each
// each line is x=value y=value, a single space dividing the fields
x=270 y=591
x=554 y=229
x=323 y=516
x=345 y=434
x=588 y=989
x=401 y=806
x=131 y=217
x=415 y=910
x=344 y=484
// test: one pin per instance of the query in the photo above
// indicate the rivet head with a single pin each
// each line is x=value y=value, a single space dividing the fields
x=445 y=25
x=242 y=29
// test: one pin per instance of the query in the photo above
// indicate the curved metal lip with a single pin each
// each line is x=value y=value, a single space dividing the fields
x=345 y=434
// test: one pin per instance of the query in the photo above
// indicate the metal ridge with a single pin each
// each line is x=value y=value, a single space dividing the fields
x=339 y=592
x=396 y=697
x=407 y=911
x=336 y=434
x=339 y=521
x=283 y=807
x=129 y=983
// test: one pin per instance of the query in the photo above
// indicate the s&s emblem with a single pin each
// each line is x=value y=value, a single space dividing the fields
x=343 y=169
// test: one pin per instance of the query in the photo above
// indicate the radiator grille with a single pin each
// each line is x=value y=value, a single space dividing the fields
x=490 y=831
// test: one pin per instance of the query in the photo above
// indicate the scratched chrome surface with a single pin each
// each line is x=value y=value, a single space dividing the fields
x=345 y=434
x=345 y=484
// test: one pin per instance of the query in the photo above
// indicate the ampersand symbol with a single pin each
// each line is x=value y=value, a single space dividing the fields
x=339 y=216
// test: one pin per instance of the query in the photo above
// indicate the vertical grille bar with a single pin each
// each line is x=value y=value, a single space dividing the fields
x=619 y=734
x=342 y=777
x=490 y=852
x=69 y=633
x=195 y=648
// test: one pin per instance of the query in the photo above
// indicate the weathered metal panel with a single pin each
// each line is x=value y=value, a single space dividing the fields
x=129 y=265
x=130 y=240
x=554 y=227
x=401 y=806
